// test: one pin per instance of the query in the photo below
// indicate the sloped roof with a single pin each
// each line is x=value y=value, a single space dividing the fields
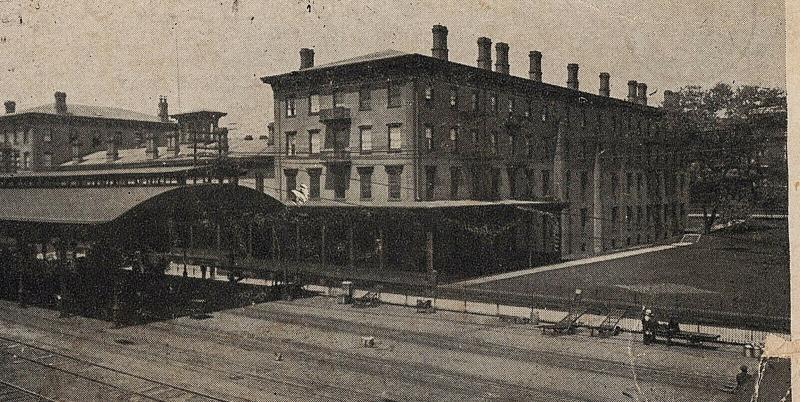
x=93 y=111
x=384 y=54
x=73 y=205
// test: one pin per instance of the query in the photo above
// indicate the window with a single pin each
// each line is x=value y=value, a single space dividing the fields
x=25 y=135
x=545 y=182
x=475 y=140
x=394 y=173
x=583 y=117
x=341 y=175
x=428 y=138
x=628 y=217
x=365 y=180
x=430 y=182
x=493 y=140
x=628 y=182
x=395 y=138
x=638 y=182
x=638 y=217
x=511 y=105
x=529 y=143
x=493 y=103
x=314 y=182
x=394 y=95
x=26 y=161
x=495 y=184
x=584 y=182
x=364 y=99
x=455 y=181
x=512 y=182
x=289 y=106
x=454 y=98
x=429 y=92
x=291 y=143
x=291 y=179
x=530 y=176
x=475 y=101
x=366 y=139
x=46 y=138
x=47 y=160
x=313 y=104
x=544 y=113
x=338 y=98
x=529 y=109
x=454 y=139
x=314 y=144
x=584 y=217
x=614 y=217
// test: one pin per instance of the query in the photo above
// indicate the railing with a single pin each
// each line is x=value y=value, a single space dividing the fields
x=334 y=114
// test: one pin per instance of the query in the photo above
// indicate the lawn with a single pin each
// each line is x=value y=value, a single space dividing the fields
x=741 y=270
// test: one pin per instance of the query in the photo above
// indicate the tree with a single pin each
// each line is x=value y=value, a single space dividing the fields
x=723 y=139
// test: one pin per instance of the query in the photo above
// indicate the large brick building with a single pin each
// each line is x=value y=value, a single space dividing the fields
x=46 y=136
x=393 y=128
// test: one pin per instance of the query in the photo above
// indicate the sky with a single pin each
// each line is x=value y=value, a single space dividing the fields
x=211 y=54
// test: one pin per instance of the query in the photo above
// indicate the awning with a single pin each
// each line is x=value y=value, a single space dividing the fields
x=73 y=205
x=98 y=205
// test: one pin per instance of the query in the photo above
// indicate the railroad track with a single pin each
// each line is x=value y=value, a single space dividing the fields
x=38 y=362
x=550 y=358
x=288 y=388
x=10 y=392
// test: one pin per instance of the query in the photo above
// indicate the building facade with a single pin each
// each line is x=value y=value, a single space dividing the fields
x=393 y=127
x=46 y=136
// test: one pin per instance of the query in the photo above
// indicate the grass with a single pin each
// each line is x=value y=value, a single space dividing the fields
x=739 y=270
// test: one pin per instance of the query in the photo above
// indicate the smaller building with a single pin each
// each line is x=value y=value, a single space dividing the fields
x=42 y=137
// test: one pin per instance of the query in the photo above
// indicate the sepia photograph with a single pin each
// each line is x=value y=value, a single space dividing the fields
x=339 y=200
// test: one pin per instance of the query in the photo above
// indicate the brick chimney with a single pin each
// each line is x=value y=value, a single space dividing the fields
x=75 y=147
x=306 y=58
x=572 y=76
x=632 y=91
x=439 y=49
x=163 y=109
x=112 y=153
x=642 y=87
x=11 y=106
x=485 y=53
x=152 y=146
x=501 y=66
x=605 y=86
x=535 y=72
x=173 y=143
x=61 y=102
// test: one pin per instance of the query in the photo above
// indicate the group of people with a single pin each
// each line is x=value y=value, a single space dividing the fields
x=650 y=325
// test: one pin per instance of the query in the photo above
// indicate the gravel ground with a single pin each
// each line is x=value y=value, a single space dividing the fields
x=441 y=356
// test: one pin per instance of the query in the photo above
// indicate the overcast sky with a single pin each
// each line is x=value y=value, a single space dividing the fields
x=211 y=54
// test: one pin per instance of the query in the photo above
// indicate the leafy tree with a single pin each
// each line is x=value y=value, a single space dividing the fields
x=723 y=139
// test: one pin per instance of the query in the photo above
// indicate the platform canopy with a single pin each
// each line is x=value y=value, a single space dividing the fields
x=99 y=205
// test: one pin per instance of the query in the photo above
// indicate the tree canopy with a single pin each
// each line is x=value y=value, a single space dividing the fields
x=725 y=136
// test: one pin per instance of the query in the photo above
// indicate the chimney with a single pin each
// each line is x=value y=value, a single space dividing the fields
x=572 y=76
x=306 y=58
x=173 y=143
x=535 y=73
x=112 y=153
x=439 y=49
x=61 y=102
x=501 y=66
x=152 y=146
x=485 y=53
x=163 y=109
x=76 y=152
x=11 y=106
x=605 y=87
x=632 y=91
x=670 y=100
x=642 y=93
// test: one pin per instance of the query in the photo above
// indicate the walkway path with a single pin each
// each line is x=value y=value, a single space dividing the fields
x=562 y=265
